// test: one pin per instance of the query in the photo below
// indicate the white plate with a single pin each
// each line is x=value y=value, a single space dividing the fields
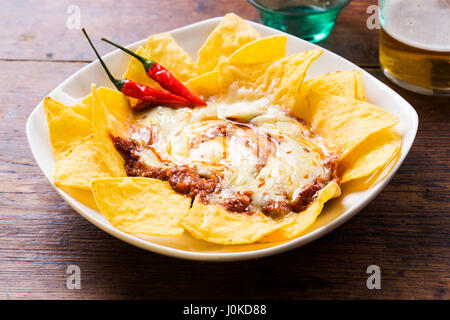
x=191 y=38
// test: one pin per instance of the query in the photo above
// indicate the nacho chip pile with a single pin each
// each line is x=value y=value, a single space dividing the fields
x=234 y=55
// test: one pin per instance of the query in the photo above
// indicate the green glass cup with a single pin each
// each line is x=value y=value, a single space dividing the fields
x=311 y=20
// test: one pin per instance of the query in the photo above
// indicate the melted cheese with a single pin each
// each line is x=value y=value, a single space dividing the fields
x=252 y=145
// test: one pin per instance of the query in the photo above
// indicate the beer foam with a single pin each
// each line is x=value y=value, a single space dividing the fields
x=421 y=24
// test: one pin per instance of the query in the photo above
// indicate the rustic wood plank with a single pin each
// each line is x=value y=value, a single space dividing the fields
x=404 y=230
x=37 y=29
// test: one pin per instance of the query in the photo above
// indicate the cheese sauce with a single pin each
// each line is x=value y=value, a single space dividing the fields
x=258 y=154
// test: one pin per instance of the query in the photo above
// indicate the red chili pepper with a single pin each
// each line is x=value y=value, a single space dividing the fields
x=139 y=91
x=151 y=95
x=163 y=76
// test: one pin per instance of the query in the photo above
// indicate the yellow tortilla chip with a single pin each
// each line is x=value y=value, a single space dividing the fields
x=205 y=85
x=84 y=108
x=84 y=196
x=136 y=72
x=261 y=50
x=345 y=122
x=299 y=222
x=341 y=83
x=284 y=77
x=279 y=81
x=163 y=49
x=229 y=35
x=105 y=125
x=66 y=127
x=360 y=91
x=249 y=76
x=371 y=155
x=141 y=205
x=215 y=224
x=80 y=165
x=116 y=103
x=375 y=151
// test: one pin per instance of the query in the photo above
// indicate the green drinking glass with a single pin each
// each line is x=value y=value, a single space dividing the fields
x=311 y=20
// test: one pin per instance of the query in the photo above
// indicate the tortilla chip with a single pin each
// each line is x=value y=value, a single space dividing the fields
x=84 y=108
x=279 y=81
x=80 y=165
x=163 y=49
x=341 y=83
x=228 y=36
x=236 y=76
x=299 y=222
x=136 y=72
x=215 y=224
x=284 y=77
x=360 y=91
x=371 y=155
x=205 y=85
x=116 y=103
x=141 y=205
x=66 y=127
x=259 y=51
x=344 y=122
x=84 y=196
x=106 y=125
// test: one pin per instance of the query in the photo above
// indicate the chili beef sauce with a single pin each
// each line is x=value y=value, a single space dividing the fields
x=243 y=154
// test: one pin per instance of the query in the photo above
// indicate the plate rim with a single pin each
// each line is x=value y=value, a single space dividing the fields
x=241 y=255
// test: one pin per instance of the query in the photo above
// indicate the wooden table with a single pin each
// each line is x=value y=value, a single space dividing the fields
x=405 y=230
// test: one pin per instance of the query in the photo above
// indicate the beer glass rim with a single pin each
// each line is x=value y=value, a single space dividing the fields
x=337 y=7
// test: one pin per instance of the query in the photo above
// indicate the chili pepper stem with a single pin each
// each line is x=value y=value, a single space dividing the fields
x=161 y=75
x=118 y=83
x=148 y=64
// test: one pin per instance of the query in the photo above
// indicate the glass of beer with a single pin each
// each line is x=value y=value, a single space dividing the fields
x=415 y=44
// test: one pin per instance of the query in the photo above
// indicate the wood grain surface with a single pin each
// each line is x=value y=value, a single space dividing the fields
x=405 y=230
